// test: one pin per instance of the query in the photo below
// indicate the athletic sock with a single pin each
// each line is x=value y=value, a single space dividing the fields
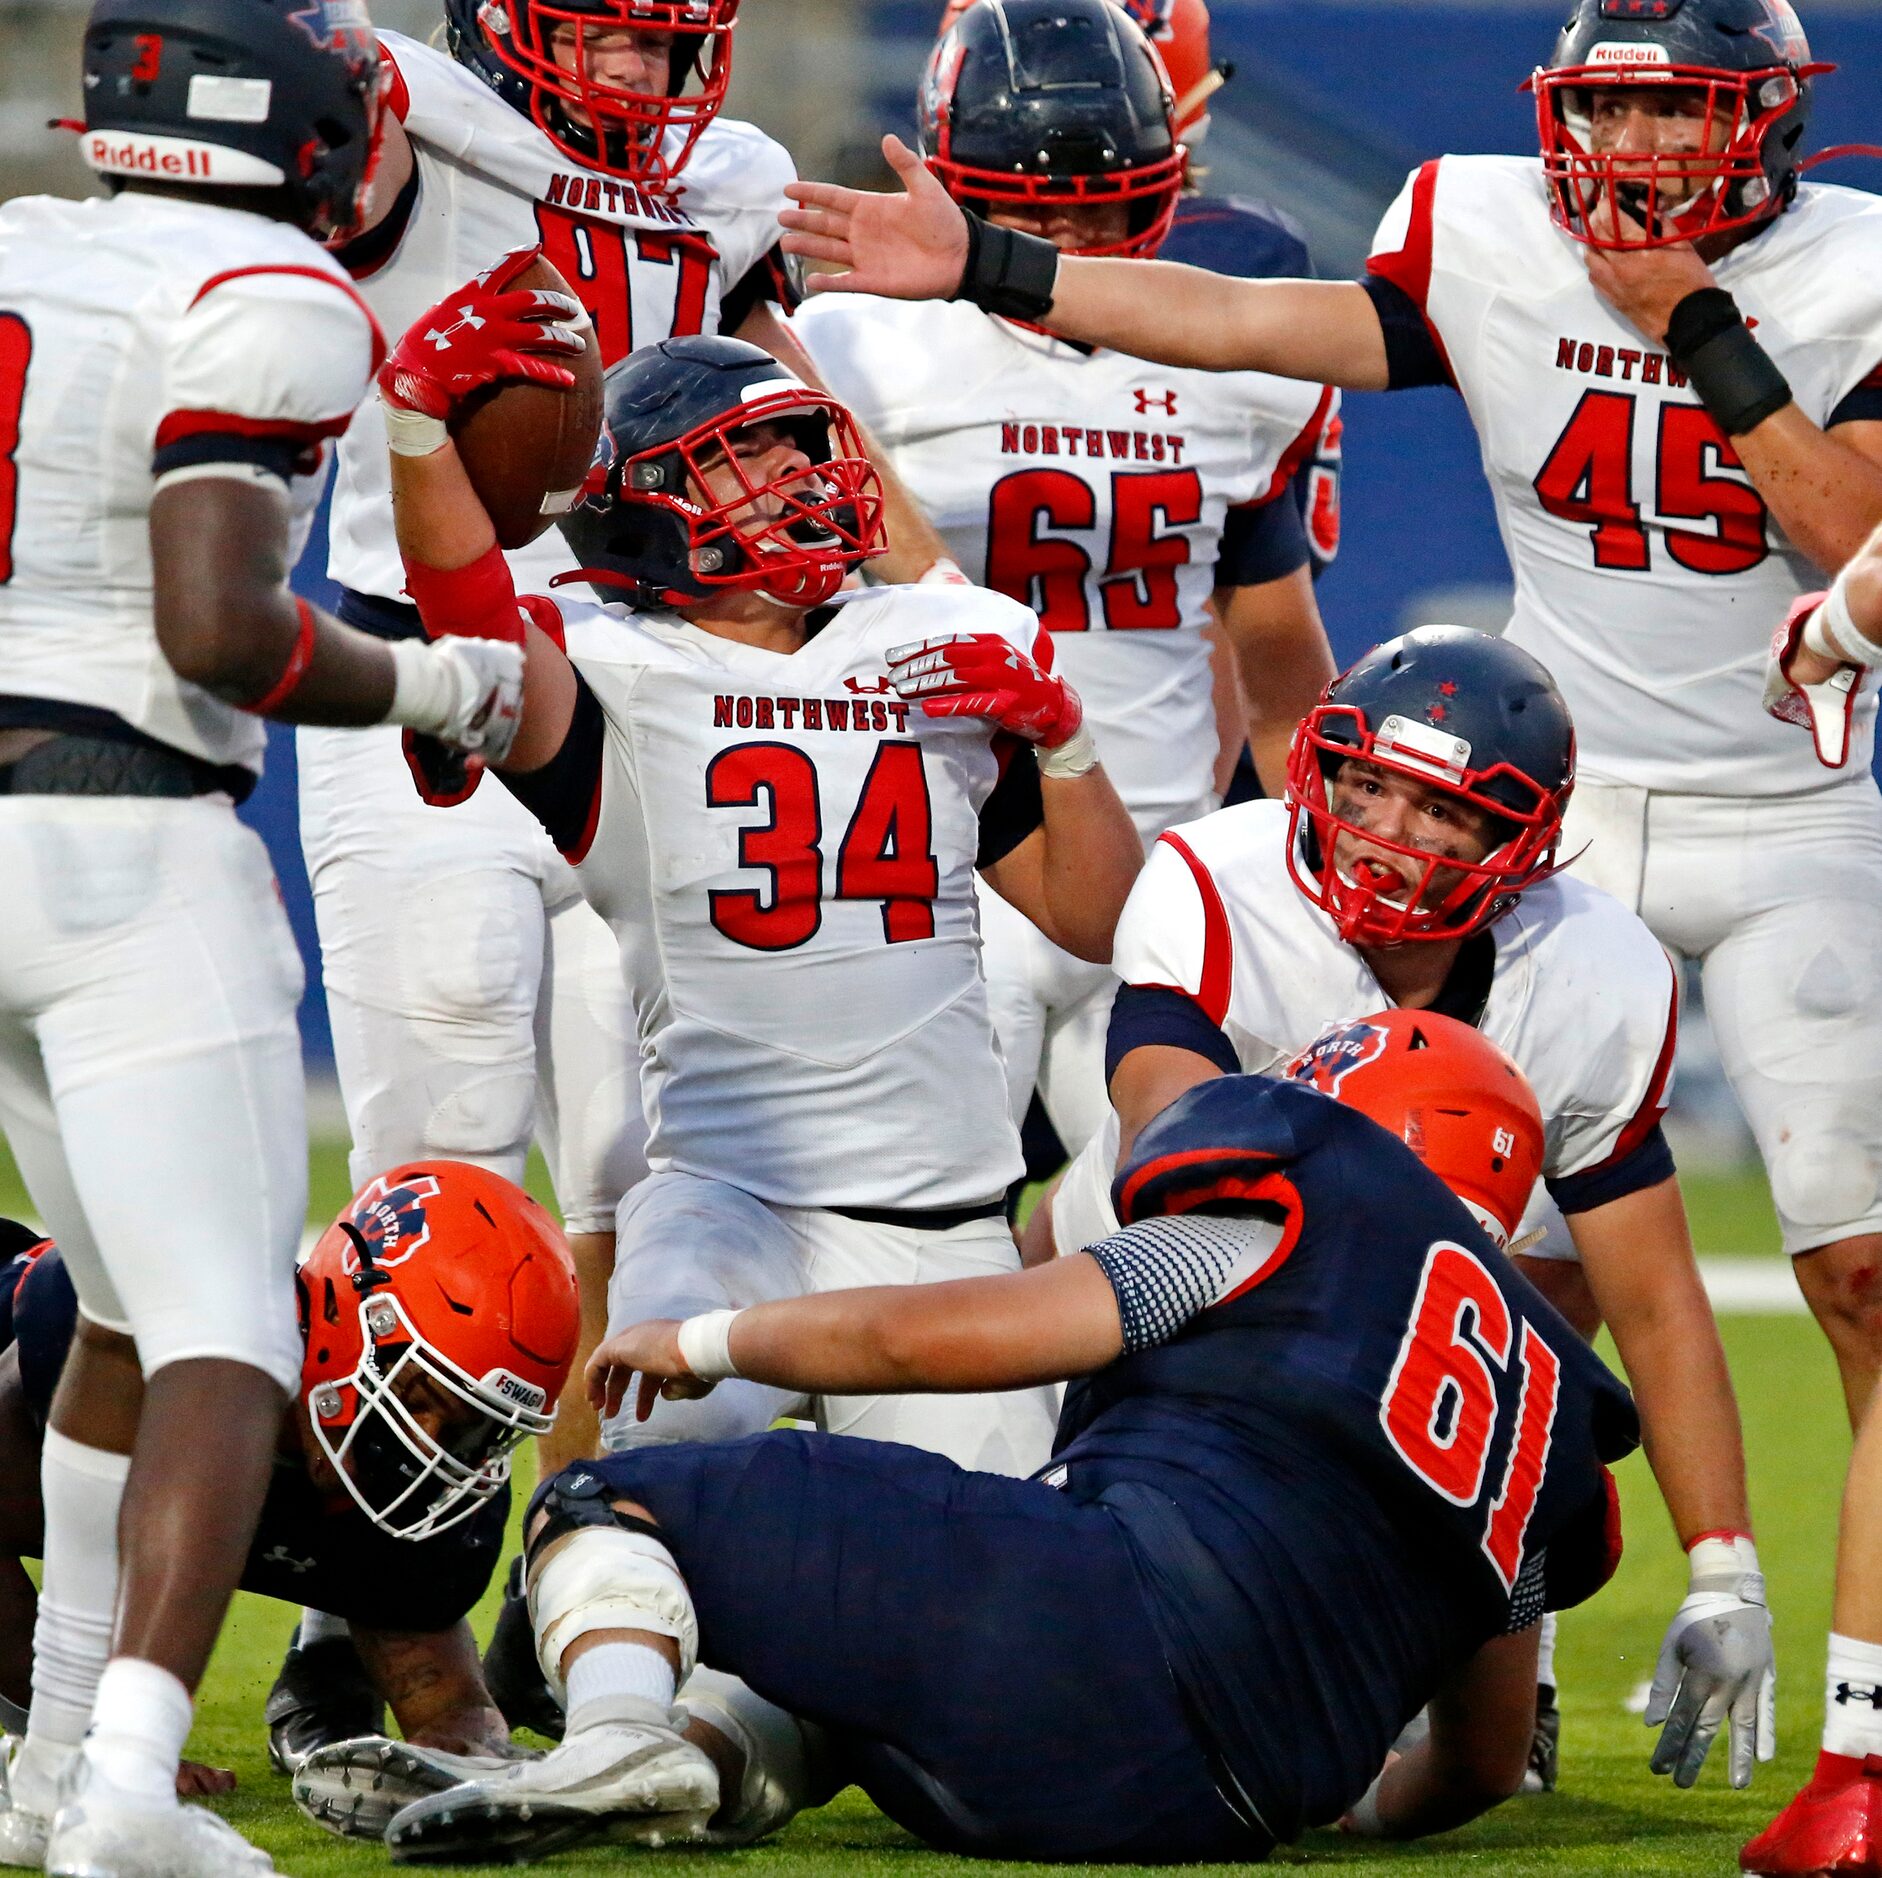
x=82 y=1488
x=612 y=1670
x=1852 y=1700
x=320 y=1627
x=1545 y=1652
x=138 y=1729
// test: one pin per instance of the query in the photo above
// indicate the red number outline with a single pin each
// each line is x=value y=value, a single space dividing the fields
x=888 y=848
x=1595 y=454
x=16 y=358
x=787 y=778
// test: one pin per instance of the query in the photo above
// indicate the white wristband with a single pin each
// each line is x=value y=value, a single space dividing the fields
x=1719 y=1560
x=706 y=1345
x=424 y=687
x=1074 y=757
x=1832 y=633
x=412 y=433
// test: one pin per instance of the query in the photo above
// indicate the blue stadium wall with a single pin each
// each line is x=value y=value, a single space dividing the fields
x=1372 y=90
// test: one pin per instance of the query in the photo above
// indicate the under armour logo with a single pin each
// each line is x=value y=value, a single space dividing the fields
x=1164 y=401
x=280 y=1555
x=872 y=689
x=1852 y=1692
x=440 y=337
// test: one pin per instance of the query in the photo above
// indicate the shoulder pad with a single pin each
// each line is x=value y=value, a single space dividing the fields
x=1215 y=1143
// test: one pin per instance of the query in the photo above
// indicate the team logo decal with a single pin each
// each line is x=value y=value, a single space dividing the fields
x=391 y=1220
x=1332 y=1057
x=336 y=25
x=1152 y=15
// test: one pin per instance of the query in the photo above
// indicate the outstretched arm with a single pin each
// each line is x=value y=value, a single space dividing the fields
x=433 y=1682
x=917 y=245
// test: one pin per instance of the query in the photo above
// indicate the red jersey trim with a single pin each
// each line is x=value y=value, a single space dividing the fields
x=398 y=92
x=1294 y=455
x=1410 y=268
x=181 y=424
x=546 y=616
x=310 y=273
x=1653 y=1104
x=1218 y=948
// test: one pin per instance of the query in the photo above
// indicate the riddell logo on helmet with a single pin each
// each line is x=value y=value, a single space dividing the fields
x=1628 y=52
x=391 y=1220
x=179 y=159
x=1329 y=1060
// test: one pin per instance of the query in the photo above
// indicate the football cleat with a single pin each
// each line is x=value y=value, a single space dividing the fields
x=25 y=1815
x=511 y=1672
x=635 y=1779
x=100 y=1833
x=353 y=1788
x=1833 y=1825
x=1545 y=1745
x=321 y=1696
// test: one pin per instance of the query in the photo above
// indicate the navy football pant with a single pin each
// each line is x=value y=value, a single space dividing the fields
x=977 y=1647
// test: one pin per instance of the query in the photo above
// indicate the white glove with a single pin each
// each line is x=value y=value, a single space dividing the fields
x=1827 y=710
x=465 y=692
x=1716 y=1661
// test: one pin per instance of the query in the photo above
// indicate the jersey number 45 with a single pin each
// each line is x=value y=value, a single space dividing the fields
x=1442 y=1405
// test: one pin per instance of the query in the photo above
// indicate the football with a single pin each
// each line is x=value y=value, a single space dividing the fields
x=527 y=448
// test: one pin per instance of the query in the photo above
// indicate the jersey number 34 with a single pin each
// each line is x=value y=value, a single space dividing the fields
x=1441 y=1407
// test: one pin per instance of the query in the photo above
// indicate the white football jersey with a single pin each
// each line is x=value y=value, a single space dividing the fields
x=647 y=267
x=1090 y=486
x=1582 y=997
x=137 y=334
x=1649 y=574
x=786 y=853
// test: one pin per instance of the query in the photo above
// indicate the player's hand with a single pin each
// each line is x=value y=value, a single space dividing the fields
x=1642 y=285
x=651 y=1351
x=196 y=1781
x=984 y=675
x=1803 y=687
x=443 y=777
x=911 y=246
x=479 y=336
x=1716 y=1662
x=465 y=692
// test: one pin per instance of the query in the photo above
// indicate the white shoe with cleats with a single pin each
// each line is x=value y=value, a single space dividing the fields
x=100 y=1833
x=353 y=1788
x=28 y=1800
x=631 y=1777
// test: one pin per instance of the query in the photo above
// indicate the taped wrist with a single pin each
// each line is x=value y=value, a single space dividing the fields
x=1007 y=273
x=1832 y=632
x=473 y=602
x=1076 y=756
x=1736 y=379
x=706 y=1345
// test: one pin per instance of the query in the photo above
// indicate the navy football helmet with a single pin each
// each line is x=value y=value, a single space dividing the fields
x=1053 y=101
x=653 y=531
x=1469 y=716
x=1747 y=64
x=250 y=94
x=512 y=45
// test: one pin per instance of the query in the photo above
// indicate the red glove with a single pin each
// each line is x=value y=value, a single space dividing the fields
x=1827 y=710
x=477 y=337
x=443 y=776
x=984 y=675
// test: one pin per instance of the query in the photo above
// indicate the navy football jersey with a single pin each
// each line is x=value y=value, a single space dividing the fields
x=1372 y=1413
x=308 y=1548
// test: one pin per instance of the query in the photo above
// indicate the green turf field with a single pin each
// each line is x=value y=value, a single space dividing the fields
x=1611 y=1816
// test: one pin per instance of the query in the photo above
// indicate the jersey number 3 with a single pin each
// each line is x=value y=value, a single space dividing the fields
x=1440 y=1409
x=887 y=852
x=1589 y=480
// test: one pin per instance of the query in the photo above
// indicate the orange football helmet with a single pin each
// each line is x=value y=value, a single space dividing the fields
x=440 y=1316
x=1456 y=1100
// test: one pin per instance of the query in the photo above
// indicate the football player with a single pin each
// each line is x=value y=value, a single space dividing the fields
x=438 y=1319
x=1669 y=342
x=594 y=129
x=173 y=361
x=1415 y=857
x=779 y=803
x=1159 y=1649
x=1115 y=499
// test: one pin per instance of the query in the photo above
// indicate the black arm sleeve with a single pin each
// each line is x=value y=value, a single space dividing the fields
x=1412 y=357
x=771 y=277
x=1648 y=1163
x=1013 y=810
x=1262 y=543
x=565 y=794
x=1154 y=1014
x=1862 y=406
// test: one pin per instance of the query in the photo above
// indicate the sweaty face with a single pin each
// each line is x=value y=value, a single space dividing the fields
x=1656 y=120
x=1067 y=225
x=1411 y=814
x=617 y=58
x=764 y=453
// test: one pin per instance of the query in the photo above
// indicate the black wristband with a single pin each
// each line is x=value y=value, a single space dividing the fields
x=1007 y=273
x=1736 y=379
